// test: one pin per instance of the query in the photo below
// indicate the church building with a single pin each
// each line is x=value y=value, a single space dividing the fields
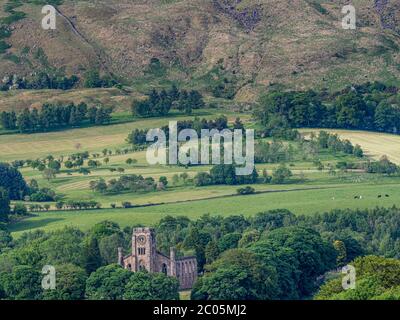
x=145 y=256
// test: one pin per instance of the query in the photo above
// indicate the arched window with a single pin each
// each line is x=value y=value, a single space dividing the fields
x=164 y=269
x=129 y=267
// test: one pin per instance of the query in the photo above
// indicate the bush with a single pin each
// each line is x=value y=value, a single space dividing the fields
x=20 y=209
x=281 y=174
x=127 y=205
x=246 y=190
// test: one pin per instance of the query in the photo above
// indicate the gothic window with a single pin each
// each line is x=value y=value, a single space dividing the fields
x=129 y=267
x=141 y=251
x=164 y=269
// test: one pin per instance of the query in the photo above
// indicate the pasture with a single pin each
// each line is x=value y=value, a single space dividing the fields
x=308 y=191
x=300 y=200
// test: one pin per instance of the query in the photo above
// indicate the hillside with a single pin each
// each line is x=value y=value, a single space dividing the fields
x=239 y=47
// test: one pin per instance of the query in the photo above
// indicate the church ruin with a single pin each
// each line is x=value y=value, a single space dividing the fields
x=146 y=257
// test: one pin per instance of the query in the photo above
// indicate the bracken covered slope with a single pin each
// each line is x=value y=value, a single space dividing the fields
x=241 y=46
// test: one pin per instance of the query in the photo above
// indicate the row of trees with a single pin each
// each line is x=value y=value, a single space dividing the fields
x=133 y=183
x=40 y=80
x=54 y=80
x=138 y=137
x=51 y=117
x=159 y=103
x=370 y=107
x=226 y=174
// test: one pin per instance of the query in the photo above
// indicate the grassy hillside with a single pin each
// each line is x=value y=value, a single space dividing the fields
x=242 y=47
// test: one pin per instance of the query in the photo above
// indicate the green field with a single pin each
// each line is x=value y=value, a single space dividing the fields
x=308 y=191
x=316 y=199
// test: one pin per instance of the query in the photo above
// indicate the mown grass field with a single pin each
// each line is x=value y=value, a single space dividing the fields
x=308 y=191
x=374 y=144
x=92 y=139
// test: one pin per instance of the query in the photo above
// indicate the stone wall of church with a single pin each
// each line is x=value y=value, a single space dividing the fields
x=186 y=271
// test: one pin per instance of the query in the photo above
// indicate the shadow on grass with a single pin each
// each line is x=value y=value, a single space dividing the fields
x=26 y=225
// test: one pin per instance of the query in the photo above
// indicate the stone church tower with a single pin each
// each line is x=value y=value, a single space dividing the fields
x=146 y=257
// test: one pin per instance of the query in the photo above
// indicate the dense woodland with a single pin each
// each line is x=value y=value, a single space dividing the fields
x=372 y=106
x=273 y=255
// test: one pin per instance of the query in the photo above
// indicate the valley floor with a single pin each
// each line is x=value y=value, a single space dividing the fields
x=308 y=191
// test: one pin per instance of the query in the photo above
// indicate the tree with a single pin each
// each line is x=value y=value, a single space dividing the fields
x=108 y=245
x=55 y=165
x=93 y=79
x=212 y=251
x=238 y=125
x=340 y=247
x=197 y=240
x=163 y=180
x=20 y=209
x=70 y=283
x=12 y=180
x=248 y=238
x=357 y=151
x=103 y=115
x=281 y=174
x=60 y=205
x=313 y=255
x=238 y=275
x=107 y=283
x=151 y=286
x=92 y=255
x=24 y=122
x=228 y=241
x=22 y=283
x=4 y=205
x=64 y=247
x=202 y=179
x=49 y=174
x=386 y=117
